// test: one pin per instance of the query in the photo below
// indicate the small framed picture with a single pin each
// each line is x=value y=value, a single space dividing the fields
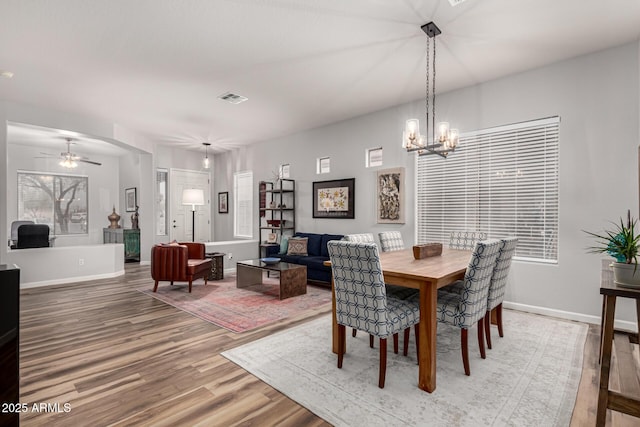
x=223 y=202
x=130 y=199
x=272 y=238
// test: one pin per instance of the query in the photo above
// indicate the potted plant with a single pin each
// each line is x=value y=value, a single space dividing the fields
x=621 y=242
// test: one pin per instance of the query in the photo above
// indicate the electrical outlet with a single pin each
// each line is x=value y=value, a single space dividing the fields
x=80 y=261
x=230 y=255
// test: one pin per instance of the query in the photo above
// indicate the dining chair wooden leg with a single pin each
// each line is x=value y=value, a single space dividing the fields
x=190 y=282
x=383 y=362
x=407 y=335
x=354 y=332
x=342 y=341
x=395 y=343
x=483 y=353
x=499 y=319
x=465 y=350
x=416 y=329
x=370 y=340
x=487 y=328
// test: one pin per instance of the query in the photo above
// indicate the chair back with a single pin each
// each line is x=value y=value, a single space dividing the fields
x=169 y=262
x=473 y=303
x=361 y=300
x=360 y=238
x=14 y=228
x=498 y=285
x=33 y=236
x=465 y=240
x=391 y=241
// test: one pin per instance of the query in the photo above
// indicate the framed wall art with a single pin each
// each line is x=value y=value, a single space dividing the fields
x=334 y=199
x=390 y=196
x=130 y=199
x=223 y=202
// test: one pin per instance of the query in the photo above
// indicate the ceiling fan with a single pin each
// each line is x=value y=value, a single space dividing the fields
x=70 y=160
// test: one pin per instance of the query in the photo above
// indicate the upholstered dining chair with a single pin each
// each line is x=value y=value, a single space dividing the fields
x=390 y=241
x=498 y=285
x=361 y=299
x=360 y=238
x=465 y=240
x=467 y=305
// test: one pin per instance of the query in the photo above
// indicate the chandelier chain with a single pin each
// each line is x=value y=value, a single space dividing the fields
x=433 y=102
x=427 y=94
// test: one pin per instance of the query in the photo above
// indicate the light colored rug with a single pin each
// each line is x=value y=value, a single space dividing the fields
x=529 y=378
x=238 y=310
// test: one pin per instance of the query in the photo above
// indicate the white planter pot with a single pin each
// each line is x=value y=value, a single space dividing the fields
x=626 y=274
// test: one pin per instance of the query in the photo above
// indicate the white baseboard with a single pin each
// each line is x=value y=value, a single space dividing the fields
x=71 y=280
x=568 y=315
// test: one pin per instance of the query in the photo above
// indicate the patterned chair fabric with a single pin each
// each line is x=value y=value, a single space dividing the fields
x=498 y=284
x=361 y=298
x=465 y=240
x=466 y=307
x=391 y=241
x=360 y=238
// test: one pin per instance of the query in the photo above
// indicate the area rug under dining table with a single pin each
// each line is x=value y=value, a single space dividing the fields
x=529 y=378
x=238 y=310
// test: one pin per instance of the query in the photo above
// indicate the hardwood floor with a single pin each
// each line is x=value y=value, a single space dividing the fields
x=119 y=357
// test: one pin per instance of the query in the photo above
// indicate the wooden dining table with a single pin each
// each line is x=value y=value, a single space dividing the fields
x=428 y=275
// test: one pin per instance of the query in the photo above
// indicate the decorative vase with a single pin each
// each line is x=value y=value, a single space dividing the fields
x=627 y=275
x=113 y=219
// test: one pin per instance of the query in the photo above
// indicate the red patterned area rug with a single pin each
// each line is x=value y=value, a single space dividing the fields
x=238 y=310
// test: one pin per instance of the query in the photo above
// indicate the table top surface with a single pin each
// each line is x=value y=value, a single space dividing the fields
x=609 y=287
x=279 y=266
x=402 y=264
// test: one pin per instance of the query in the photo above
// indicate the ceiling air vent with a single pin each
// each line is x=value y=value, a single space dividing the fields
x=456 y=2
x=232 y=98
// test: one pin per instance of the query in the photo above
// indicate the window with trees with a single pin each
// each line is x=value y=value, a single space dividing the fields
x=60 y=201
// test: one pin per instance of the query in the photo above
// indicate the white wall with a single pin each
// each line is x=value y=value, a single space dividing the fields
x=597 y=98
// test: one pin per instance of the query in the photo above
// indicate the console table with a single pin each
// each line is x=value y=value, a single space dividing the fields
x=129 y=236
x=608 y=399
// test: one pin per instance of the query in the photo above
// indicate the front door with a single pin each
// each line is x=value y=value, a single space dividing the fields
x=180 y=216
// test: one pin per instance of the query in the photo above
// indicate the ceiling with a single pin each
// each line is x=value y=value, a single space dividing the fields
x=156 y=67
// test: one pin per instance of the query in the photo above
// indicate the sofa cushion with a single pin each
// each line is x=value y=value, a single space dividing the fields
x=293 y=259
x=298 y=246
x=284 y=245
x=324 y=252
x=313 y=245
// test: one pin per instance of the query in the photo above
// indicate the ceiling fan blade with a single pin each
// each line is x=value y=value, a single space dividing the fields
x=89 y=161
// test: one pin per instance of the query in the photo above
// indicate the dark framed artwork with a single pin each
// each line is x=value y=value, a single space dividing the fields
x=223 y=202
x=390 y=196
x=334 y=199
x=130 y=199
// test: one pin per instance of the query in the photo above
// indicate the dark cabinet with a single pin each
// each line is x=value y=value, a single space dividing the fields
x=129 y=236
x=9 y=340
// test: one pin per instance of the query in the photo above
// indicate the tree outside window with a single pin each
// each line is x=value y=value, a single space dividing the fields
x=60 y=201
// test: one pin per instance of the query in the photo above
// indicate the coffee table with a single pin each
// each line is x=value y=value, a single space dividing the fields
x=292 y=282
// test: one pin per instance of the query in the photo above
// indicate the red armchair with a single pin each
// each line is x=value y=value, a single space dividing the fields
x=179 y=262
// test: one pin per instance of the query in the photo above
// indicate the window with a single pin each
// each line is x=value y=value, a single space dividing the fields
x=503 y=181
x=243 y=204
x=60 y=201
x=323 y=165
x=373 y=157
x=161 y=202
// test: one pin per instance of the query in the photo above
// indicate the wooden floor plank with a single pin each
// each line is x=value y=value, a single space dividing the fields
x=120 y=357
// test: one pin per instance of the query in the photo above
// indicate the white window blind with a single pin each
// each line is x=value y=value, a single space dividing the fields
x=503 y=181
x=243 y=204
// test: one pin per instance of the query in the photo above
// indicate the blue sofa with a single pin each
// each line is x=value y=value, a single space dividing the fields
x=317 y=254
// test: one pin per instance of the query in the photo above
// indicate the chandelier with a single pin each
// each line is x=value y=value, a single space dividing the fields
x=205 y=161
x=445 y=140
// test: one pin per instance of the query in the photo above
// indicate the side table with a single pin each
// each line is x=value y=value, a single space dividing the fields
x=610 y=399
x=217 y=265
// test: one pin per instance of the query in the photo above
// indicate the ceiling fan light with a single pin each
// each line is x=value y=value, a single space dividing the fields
x=68 y=163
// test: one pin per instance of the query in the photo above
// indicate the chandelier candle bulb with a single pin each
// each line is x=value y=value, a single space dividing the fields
x=443 y=131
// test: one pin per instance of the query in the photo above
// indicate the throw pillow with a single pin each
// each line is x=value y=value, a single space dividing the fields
x=284 y=245
x=297 y=246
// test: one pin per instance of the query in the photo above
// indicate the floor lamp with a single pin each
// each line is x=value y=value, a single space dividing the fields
x=193 y=197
